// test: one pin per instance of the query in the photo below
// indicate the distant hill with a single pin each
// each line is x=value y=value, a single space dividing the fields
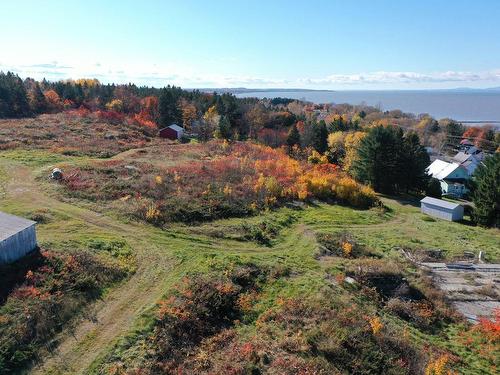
x=242 y=90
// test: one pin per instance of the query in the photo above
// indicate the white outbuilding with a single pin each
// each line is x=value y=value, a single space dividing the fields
x=442 y=209
x=17 y=237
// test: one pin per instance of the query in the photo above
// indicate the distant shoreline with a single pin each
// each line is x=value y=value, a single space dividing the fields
x=470 y=107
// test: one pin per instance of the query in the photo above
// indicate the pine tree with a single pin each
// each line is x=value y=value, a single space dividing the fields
x=223 y=130
x=13 y=97
x=293 y=136
x=319 y=139
x=486 y=192
x=168 y=108
x=378 y=159
x=415 y=160
x=38 y=102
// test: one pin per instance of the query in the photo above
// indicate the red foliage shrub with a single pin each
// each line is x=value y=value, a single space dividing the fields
x=111 y=116
x=233 y=180
x=52 y=291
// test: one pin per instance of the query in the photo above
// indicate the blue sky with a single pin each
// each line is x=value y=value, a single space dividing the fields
x=309 y=44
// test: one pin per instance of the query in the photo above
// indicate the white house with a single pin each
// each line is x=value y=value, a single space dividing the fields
x=442 y=209
x=17 y=237
x=452 y=177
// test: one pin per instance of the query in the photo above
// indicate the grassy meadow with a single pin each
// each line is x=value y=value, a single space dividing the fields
x=293 y=286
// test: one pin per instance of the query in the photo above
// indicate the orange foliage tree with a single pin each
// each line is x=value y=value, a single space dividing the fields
x=53 y=100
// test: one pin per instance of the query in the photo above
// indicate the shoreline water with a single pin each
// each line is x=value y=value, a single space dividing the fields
x=471 y=107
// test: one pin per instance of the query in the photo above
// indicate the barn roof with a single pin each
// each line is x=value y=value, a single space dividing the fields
x=440 y=203
x=10 y=225
x=175 y=127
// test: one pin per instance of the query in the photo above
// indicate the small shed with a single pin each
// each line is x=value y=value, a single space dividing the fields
x=442 y=209
x=173 y=132
x=17 y=237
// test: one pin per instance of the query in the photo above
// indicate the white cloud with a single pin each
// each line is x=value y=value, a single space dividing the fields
x=405 y=77
x=182 y=75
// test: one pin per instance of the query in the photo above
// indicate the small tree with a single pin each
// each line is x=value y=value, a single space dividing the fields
x=433 y=188
x=486 y=192
x=378 y=161
x=37 y=100
x=223 y=130
x=293 y=137
x=319 y=139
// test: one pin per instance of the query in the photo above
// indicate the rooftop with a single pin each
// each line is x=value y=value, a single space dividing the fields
x=440 y=203
x=441 y=169
x=10 y=225
x=175 y=127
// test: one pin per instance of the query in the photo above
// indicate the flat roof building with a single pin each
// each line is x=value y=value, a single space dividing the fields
x=442 y=209
x=17 y=237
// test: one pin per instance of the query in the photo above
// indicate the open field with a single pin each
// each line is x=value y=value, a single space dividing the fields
x=282 y=242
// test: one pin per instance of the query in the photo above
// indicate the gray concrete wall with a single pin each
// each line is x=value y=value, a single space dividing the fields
x=18 y=245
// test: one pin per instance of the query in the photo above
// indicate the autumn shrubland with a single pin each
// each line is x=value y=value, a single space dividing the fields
x=73 y=133
x=227 y=180
x=41 y=294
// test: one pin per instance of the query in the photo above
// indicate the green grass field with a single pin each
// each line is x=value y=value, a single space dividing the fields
x=162 y=257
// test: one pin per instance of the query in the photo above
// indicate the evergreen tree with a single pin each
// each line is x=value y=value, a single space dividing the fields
x=293 y=137
x=433 y=188
x=37 y=101
x=486 y=192
x=391 y=161
x=319 y=139
x=378 y=161
x=414 y=161
x=454 y=132
x=223 y=130
x=13 y=97
x=168 y=108
x=337 y=125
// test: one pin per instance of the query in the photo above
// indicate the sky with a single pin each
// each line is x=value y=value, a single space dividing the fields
x=314 y=44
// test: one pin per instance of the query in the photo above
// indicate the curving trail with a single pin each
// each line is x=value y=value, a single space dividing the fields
x=114 y=315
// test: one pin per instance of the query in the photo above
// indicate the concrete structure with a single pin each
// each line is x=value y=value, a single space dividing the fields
x=442 y=209
x=173 y=132
x=17 y=237
x=452 y=177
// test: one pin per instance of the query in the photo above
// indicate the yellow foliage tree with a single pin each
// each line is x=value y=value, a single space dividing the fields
x=115 y=105
x=188 y=113
x=351 y=144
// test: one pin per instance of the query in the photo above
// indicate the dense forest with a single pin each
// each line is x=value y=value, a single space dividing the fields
x=270 y=121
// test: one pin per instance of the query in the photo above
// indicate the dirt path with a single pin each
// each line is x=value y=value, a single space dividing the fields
x=114 y=315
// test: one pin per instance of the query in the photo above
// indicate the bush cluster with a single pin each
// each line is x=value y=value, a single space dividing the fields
x=45 y=290
x=237 y=180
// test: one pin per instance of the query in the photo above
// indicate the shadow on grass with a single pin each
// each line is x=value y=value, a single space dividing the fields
x=404 y=199
x=14 y=274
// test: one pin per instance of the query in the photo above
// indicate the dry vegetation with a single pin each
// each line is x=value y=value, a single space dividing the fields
x=69 y=133
x=223 y=180
x=287 y=267
x=40 y=294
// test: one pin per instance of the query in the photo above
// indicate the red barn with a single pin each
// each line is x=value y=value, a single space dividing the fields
x=172 y=132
